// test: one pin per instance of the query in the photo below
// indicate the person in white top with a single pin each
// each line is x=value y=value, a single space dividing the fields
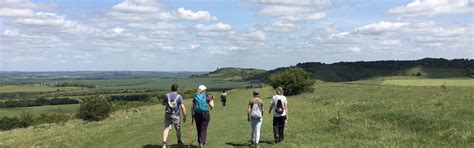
x=279 y=107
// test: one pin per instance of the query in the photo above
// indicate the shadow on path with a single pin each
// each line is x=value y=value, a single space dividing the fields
x=168 y=146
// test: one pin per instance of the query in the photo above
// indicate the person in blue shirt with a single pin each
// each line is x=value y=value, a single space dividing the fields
x=174 y=108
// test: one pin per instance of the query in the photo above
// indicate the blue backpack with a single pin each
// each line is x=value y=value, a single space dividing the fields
x=200 y=103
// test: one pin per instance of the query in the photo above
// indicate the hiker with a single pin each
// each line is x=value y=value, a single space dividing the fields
x=223 y=98
x=174 y=103
x=255 y=117
x=279 y=106
x=200 y=111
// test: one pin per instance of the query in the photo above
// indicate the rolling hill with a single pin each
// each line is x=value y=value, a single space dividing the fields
x=352 y=71
x=232 y=74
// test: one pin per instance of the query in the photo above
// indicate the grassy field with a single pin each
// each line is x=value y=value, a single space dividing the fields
x=355 y=115
x=416 y=81
x=50 y=109
x=32 y=88
x=431 y=82
x=185 y=83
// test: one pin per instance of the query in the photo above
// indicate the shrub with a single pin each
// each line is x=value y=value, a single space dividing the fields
x=294 y=81
x=94 y=108
x=26 y=119
x=54 y=118
x=7 y=123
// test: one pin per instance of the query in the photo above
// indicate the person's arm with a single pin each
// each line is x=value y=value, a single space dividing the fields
x=262 y=109
x=211 y=102
x=165 y=99
x=286 y=109
x=183 y=111
x=271 y=108
x=249 y=109
x=192 y=110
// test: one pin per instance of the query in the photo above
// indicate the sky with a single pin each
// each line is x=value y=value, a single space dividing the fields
x=202 y=35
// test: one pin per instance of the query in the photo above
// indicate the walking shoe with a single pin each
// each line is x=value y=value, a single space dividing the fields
x=180 y=143
x=163 y=145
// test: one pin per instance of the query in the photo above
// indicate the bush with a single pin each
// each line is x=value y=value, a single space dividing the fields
x=54 y=118
x=26 y=119
x=95 y=108
x=293 y=80
x=7 y=123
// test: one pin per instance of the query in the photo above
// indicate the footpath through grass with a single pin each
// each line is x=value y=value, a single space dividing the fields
x=334 y=115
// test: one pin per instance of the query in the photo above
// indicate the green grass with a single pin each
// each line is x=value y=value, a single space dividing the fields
x=431 y=82
x=335 y=115
x=50 y=109
x=233 y=74
x=32 y=88
x=185 y=83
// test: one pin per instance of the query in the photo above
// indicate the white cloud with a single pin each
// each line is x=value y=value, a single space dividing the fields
x=310 y=17
x=296 y=2
x=213 y=27
x=316 y=16
x=380 y=27
x=157 y=26
x=43 y=19
x=137 y=6
x=354 y=49
x=198 y=15
x=258 y=35
x=434 y=7
x=11 y=33
x=278 y=10
x=283 y=26
x=338 y=35
x=118 y=30
x=13 y=12
x=390 y=42
x=17 y=4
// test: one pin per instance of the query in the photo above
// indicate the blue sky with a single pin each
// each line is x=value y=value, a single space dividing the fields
x=200 y=35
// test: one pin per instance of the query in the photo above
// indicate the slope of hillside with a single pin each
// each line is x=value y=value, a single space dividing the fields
x=232 y=74
x=335 y=115
x=352 y=71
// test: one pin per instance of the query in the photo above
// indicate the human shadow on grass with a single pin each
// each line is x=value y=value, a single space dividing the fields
x=170 y=146
x=248 y=144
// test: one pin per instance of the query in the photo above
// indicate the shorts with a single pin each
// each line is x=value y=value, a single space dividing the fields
x=172 y=121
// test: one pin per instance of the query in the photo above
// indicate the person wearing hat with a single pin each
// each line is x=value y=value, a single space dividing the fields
x=200 y=112
x=255 y=116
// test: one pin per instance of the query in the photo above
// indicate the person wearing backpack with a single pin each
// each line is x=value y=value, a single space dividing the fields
x=279 y=106
x=174 y=107
x=223 y=98
x=255 y=117
x=202 y=103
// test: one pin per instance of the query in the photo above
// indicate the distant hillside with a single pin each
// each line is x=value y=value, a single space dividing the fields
x=232 y=74
x=351 y=71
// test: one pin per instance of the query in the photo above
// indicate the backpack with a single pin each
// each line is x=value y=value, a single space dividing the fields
x=255 y=113
x=200 y=103
x=223 y=96
x=171 y=106
x=279 y=107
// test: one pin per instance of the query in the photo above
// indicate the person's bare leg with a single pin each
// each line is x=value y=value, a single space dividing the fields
x=178 y=135
x=165 y=136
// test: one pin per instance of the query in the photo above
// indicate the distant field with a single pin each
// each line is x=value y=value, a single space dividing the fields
x=335 y=115
x=184 y=83
x=431 y=82
x=32 y=88
x=50 y=109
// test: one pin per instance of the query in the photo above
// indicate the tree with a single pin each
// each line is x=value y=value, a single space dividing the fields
x=95 y=108
x=293 y=80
